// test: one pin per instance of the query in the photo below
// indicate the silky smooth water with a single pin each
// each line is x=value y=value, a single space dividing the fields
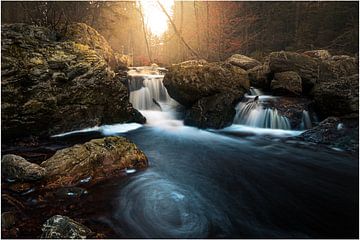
x=212 y=184
x=239 y=182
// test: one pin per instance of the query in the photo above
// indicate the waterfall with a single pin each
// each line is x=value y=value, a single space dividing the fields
x=305 y=121
x=252 y=113
x=146 y=88
x=255 y=92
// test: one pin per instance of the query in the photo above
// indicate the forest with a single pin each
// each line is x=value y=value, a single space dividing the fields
x=215 y=30
x=168 y=119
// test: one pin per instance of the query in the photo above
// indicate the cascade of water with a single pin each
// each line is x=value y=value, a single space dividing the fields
x=305 y=121
x=146 y=88
x=255 y=92
x=253 y=114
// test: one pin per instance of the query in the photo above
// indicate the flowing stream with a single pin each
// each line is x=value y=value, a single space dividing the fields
x=244 y=181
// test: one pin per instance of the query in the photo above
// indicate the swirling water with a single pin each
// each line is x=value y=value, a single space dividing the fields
x=239 y=182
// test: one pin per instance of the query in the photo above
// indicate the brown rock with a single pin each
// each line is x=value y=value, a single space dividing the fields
x=99 y=159
x=286 y=83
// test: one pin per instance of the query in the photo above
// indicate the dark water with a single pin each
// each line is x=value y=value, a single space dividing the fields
x=202 y=184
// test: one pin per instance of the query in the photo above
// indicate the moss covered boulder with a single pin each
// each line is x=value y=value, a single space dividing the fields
x=51 y=86
x=197 y=84
x=98 y=159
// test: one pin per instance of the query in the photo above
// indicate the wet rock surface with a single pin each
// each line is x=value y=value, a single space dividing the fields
x=51 y=86
x=188 y=83
x=64 y=227
x=340 y=133
x=212 y=112
x=99 y=159
x=196 y=85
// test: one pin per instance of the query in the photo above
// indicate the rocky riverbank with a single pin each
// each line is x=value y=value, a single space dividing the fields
x=313 y=81
x=54 y=82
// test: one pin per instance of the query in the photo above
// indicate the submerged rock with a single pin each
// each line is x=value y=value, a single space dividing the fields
x=243 y=61
x=49 y=87
x=64 y=227
x=99 y=159
x=286 y=83
x=17 y=168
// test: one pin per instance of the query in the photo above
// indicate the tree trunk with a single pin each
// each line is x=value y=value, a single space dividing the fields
x=177 y=32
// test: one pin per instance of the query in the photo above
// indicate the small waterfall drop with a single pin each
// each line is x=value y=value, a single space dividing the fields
x=146 y=88
x=251 y=112
x=305 y=121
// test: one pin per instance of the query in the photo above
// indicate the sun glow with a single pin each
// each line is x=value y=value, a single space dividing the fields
x=155 y=19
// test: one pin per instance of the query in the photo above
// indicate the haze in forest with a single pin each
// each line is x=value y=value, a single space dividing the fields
x=212 y=30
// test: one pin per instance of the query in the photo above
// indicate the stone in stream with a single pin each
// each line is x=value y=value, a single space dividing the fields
x=99 y=159
x=17 y=168
x=260 y=76
x=286 y=83
x=306 y=67
x=339 y=133
x=216 y=111
x=196 y=86
x=243 y=61
x=188 y=83
x=320 y=54
x=64 y=227
x=337 y=97
x=50 y=86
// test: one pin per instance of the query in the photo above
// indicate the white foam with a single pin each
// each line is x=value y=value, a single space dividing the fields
x=260 y=131
x=105 y=129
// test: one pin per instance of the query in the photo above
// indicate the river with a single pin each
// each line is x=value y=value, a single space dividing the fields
x=243 y=181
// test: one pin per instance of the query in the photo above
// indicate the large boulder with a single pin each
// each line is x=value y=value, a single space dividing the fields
x=307 y=67
x=243 y=61
x=335 y=132
x=50 y=87
x=208 y=90
x=188 y=83
x=98 y=159
x=17 y=168
x=86 y=35
x=337 y=97
x=62 y=227
x=286 y=83
x=216 y=111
